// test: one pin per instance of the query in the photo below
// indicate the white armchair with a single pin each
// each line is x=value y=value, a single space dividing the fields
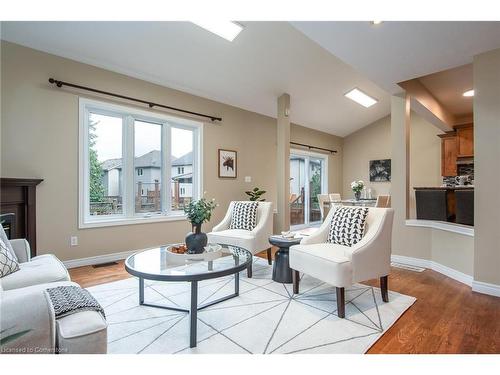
x=342 y=266
x=255 y=241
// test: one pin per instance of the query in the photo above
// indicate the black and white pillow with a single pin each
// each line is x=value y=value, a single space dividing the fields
x=244 y=215
x=8 y=264
x=348 y=225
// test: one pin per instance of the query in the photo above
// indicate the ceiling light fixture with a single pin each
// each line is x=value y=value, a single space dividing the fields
x=377 y=22
x=361 y=98
x=225 y=29
x=468 y=93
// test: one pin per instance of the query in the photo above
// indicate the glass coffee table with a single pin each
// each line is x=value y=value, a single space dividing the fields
x=160 y=264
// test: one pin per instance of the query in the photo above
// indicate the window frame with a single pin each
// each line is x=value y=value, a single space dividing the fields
x=307 y=155
x=129 y=115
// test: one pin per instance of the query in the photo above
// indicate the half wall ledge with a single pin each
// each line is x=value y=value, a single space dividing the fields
x=465 y=230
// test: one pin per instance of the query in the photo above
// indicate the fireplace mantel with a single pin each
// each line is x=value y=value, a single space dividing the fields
x=18 y=196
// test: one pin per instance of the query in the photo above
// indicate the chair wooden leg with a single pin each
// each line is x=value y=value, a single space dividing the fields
x=341 y=302
x=269 y=257
x=296 y=281
x=384 y=288
x=249 y=271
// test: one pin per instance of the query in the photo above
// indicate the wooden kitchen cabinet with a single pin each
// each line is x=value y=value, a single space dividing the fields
x=465 y=140
x=448 y=154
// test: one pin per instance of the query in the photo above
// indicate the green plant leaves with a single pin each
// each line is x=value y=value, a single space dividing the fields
x=6 y=339
x=199 y=211
x=255 y=194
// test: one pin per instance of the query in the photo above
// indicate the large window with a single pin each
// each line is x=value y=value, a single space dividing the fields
x=126 y=156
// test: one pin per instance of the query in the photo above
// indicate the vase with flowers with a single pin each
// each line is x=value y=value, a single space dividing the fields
x=198 y=212
x=357 y=187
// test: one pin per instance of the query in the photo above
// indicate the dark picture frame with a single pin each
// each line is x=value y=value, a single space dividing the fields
x=227 y=163
x=380 y=170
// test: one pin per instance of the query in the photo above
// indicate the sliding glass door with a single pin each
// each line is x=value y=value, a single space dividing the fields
x=308 y=178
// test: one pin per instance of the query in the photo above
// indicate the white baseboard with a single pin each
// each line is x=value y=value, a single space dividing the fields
x=486 y=288
x=99 y=259
x=435 y=266
x=417 y=262
x=452 y=273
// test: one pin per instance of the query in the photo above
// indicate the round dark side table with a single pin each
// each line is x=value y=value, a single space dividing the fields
x=282 y=273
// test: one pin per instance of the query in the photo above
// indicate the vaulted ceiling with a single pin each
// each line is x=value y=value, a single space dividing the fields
x=264 y=61
x=315 y=62
x=393 y=52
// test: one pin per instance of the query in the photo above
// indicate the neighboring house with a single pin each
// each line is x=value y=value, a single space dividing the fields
x=182 y=176
x=147 y=171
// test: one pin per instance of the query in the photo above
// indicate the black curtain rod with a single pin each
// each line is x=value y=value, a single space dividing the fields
x=150 y=104
x=311 y=147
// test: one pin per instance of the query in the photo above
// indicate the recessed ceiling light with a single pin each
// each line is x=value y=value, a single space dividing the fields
x=225 y=29
x=377 y=22
x=361 y=98
x=468 y=93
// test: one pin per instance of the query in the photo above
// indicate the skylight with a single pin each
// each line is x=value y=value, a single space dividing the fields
x=361 y=98
x=225 y=29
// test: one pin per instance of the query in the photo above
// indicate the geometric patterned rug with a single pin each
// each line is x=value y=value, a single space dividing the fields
x=265 y=318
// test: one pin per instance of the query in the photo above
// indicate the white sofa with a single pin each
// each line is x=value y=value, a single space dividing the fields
x=25 y=307
x=255 y=240
x=342 y=266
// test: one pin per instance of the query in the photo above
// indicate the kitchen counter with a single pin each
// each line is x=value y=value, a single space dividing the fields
x=445 y=187
x=453 y=204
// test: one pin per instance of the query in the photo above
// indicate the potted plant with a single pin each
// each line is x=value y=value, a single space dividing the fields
x=255 y=194
x=357 y=187
x=197 y=213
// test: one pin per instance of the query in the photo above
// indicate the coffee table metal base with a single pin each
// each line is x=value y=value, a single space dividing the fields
x=193 y=310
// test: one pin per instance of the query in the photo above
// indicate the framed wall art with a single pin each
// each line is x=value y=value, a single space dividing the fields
x=228 y=163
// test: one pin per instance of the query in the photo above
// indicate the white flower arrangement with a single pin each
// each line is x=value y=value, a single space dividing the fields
x=357 y=186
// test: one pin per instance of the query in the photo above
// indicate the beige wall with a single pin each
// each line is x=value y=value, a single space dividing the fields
x=40 y=139
x=453 y=250
x=374 y=142
x=425 y=156
x=369 y=143
x=487 y=167
x=406 y=241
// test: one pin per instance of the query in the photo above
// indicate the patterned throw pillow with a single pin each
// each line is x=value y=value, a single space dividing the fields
x=348 y=225
x=244 y=215
x=8 y=264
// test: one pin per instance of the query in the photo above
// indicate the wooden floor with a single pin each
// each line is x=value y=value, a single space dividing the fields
x=446 y=318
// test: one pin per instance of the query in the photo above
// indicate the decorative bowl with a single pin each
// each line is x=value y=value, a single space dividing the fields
x=179 y=258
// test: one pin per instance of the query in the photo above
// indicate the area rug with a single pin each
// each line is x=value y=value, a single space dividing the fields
x=265 y=318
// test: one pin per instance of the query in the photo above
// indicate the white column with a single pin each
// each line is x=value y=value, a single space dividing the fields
x=283 y=164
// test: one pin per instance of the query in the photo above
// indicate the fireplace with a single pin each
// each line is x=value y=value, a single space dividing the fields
x=8 y=222
x=18 y=208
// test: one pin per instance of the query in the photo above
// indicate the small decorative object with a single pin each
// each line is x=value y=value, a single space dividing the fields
x=197 y=213
x=256 y=194
x=227 y=164
x=287 y=234
x=213 y=248
x=357 y=187
x=179 y=255
x=380 y=170
x=179 y=249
